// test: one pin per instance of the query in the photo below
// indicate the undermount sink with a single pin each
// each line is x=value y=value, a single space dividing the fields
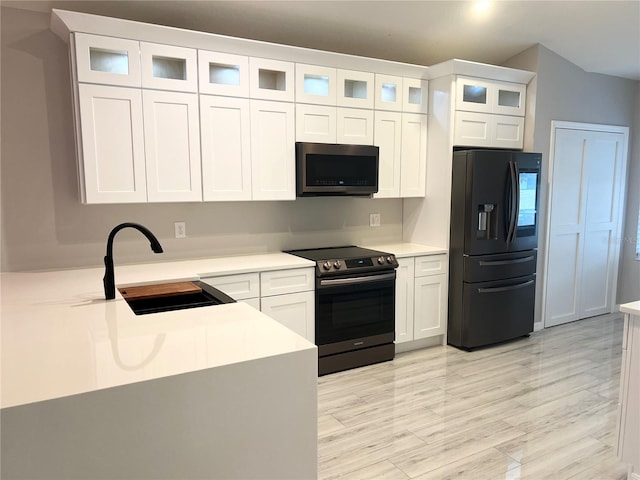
x=165 y=297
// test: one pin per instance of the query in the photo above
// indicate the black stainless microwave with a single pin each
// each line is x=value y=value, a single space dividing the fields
x=325 y=169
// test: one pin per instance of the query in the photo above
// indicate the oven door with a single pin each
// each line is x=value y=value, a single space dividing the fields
x=355 y=307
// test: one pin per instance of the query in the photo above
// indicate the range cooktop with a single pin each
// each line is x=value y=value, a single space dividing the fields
x=347 y=259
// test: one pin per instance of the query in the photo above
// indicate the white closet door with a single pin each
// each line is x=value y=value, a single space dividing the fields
x=582 y=252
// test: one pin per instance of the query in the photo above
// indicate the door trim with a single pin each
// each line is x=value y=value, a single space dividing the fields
x=587 y=127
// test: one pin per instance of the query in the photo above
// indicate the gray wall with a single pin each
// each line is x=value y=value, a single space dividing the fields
x=563 y=91
x=45 y=226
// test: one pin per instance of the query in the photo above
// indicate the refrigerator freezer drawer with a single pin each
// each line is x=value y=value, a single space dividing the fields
x=486 y=268
x=493 y=312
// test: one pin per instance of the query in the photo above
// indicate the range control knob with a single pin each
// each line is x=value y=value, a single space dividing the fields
x=326 y=266
x=381 y=260
x=390 y=259
x=337 y=264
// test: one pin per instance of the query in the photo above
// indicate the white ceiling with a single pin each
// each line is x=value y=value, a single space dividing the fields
x=598 y=36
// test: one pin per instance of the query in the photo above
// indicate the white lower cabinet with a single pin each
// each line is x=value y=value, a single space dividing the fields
x=421 y=297
x=295 y=311
x=287 y=296
x=430 y=310
x=404 y=299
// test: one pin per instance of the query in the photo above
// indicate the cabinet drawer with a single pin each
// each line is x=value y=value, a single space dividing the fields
x=431 y=265
x=239 y=287
x=279 y=282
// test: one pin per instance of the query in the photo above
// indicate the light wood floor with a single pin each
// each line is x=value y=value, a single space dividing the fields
x=542 y=407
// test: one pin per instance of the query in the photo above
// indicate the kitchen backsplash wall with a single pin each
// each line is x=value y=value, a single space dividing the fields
x=44 y=225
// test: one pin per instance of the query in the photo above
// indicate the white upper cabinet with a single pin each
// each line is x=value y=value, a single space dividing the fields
x=107 y=60
x=400 y=94
x=165 y=67
x=226 y=148
x=172 y=146
x=271 y=79
x=316 y=123
x=112 y=169
x=272 y=150
x=223 y=74
x=476 y=129
x=354 y=126
x=315 y=84
x=415 y=95
x=355 y=89
x=388 y=93
x=414 y=155
x=388 y=137
x=488 y=96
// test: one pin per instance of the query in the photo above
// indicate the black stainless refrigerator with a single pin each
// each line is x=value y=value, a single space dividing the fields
x=493 y=246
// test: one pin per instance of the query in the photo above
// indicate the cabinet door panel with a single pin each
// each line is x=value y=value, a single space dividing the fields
x=430 y=295
x=112 y=164
x=272 y=151
x=223 y=74
x=415 y=95
x=508 y=131
x=226 y=148
x=509 y=99
x=278 y=282
x=315 y=84
x=404 y=299
x=414 y=155
x=172 y=146
x=388 y=93
x=295 y=311
x=315 y=123
x=166 y=67
x=431 y=265
x=239 y=287
x=355 y=126
x=355 y=89
x=472 y=129
x=271 y=79
x=107 y=60
x=474 y=95
x=388 y=137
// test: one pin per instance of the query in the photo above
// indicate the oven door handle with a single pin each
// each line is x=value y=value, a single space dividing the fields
x=352 y=280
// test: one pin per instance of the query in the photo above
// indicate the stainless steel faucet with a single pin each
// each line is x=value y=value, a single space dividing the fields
x=108 y=279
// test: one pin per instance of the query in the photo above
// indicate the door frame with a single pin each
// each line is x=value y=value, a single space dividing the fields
x=587 y=127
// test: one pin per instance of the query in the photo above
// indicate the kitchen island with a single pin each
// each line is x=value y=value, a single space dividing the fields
x=90 y=390
x=629 y=413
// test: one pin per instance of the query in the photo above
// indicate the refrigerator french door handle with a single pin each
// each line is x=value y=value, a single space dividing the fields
x=516 y=184
x=512 y=202
x=493 y=263
x=505 y=289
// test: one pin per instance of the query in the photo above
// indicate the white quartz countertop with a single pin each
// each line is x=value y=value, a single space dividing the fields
x=401 y=250
x=632 y=308
x=61 y=337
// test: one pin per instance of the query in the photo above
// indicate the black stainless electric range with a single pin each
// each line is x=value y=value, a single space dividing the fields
x=355 y=306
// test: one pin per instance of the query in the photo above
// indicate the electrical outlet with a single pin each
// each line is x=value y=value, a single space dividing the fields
x=180 y=229
x=374 y=220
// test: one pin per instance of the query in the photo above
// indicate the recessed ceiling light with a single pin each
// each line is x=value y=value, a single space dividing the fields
x=482 y=5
